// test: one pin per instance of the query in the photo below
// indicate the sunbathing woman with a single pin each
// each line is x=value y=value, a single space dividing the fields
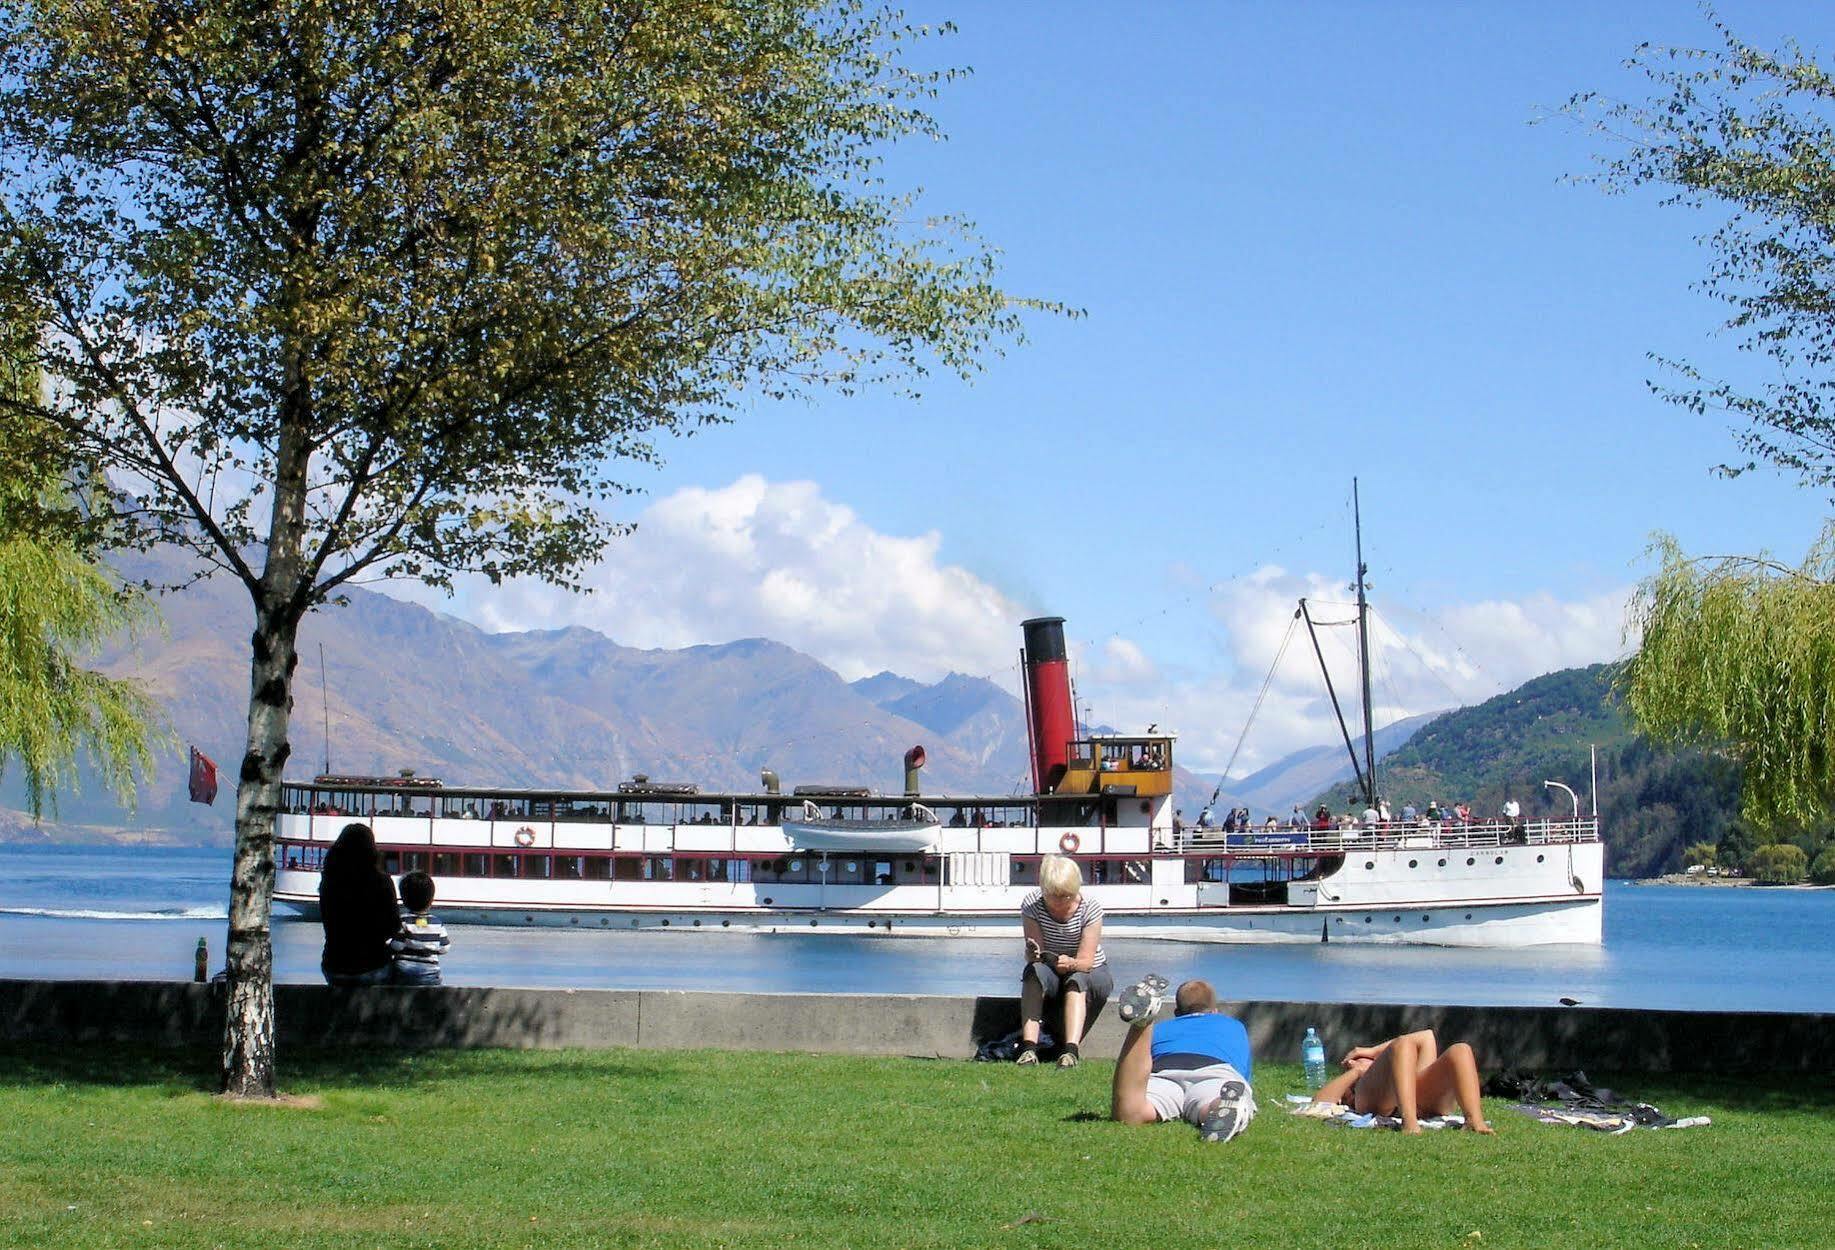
x=1406 y=1076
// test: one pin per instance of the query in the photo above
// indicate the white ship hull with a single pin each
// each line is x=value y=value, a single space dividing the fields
x=1448 y=886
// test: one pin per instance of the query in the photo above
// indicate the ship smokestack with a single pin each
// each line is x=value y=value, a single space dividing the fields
x=914 y=760
x=1052 y=724
x=768 y=780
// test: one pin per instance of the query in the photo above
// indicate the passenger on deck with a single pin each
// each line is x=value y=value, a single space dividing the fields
x=1322 y=819
x=1064 y=959
x=956 y=821
x=1194 y=1067
x=1297 y=820
x=1406 y=1076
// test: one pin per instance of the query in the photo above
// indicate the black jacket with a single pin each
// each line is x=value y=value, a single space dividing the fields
x=360 y=915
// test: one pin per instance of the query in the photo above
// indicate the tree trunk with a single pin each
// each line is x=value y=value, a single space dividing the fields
x=248 y=1037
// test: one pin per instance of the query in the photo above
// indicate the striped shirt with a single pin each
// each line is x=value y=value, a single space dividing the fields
x=1062 y=937
x=422 y=940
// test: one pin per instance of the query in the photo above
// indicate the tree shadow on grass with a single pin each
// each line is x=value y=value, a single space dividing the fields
x=187 y=1070
x=1785 y=1091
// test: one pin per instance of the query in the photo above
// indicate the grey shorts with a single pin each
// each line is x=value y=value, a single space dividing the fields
x=1096 y=984
x=1183 y=1093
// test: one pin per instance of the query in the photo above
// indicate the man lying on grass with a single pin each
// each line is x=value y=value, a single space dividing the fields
x=1194 y=1067
x=1407 y=1075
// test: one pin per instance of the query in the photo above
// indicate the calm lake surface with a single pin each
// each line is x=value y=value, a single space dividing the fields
x=137 y=913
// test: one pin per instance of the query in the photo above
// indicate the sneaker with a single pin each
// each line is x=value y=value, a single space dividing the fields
x=1027 y=1056
x=1067 y=1060
x=1228 y=1115
x=1143 y=1000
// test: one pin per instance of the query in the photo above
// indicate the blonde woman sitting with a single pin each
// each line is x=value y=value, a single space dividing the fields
x=1064 y=959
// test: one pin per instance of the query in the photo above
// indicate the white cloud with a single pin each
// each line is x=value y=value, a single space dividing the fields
x=777 y=560
x=1460 y=655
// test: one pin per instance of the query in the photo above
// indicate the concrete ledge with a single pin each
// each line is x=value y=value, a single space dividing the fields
x=180 y=1014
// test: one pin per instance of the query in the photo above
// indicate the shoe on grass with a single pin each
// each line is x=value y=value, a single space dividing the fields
x=1143 y=1000
x=1027 y=1056
x=1228 y=1113
x=1067 y=1060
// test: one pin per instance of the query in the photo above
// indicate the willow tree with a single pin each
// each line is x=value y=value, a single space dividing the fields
x=393 y=288
x=57 y=608
x=1740 y=652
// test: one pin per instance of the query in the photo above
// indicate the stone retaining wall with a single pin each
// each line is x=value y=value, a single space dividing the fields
x=180 y=1014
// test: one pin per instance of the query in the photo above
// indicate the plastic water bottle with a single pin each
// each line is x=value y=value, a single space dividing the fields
x=1312 y=1056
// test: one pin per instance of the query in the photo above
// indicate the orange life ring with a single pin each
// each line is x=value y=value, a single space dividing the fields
x=1069 y=843
x=525 y=836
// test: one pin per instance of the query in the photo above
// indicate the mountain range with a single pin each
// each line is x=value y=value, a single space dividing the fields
x=385 y=685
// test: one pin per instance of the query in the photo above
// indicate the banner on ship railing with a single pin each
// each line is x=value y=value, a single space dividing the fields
x=203 y=778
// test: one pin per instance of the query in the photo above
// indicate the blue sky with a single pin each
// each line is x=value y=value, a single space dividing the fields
x=1312 y=240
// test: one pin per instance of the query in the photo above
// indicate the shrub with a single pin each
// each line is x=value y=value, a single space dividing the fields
x=1779 y=864
x=1822 y=872
x=1704 y=853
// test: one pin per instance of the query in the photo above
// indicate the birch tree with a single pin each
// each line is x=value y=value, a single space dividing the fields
x=1739 y=652
x=400 y=290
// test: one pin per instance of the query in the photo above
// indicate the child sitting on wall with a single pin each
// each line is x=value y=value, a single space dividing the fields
x=416 y=950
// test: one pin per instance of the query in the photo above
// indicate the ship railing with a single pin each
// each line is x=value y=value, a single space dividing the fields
x=1389 y=836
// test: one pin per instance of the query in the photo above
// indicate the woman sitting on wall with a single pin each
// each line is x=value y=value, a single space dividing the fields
x=1064 y=959
x=358 y=907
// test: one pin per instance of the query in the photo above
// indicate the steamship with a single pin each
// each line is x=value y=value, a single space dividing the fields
x=840 y=859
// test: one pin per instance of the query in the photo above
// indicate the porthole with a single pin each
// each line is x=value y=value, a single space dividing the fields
x=1369 y=863
x=872 y=924
x=573 y=920
x=812 y=924
x=1398 y=920
x=1540 y=858
x=1468 y=915
x=767 y=902
x=665 y=922
x=1469 y=861
x=1366 y=920
x=1500 y=859
x=726 y=924
x=1442 y=863
x=528 y=919
x=1414 y=863
x=1426 y=919
x=604 y=920
x=697 y=924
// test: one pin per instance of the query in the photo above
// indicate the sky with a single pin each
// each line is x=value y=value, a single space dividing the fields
x=1313 y=242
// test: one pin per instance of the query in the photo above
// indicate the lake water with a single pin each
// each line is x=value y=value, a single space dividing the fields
x=137 y=913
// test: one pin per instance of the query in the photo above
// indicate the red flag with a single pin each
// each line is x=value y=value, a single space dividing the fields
x=203 y=778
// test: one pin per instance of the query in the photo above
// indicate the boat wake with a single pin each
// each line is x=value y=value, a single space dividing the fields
x=84 y=913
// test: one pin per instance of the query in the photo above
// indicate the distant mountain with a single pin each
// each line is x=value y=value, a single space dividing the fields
x=885 y=686
x=405 y=687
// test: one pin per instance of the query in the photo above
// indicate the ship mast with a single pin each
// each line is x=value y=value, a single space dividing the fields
x=1363 y=652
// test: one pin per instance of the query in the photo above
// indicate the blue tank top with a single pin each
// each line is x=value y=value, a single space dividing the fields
x=1199 y=1040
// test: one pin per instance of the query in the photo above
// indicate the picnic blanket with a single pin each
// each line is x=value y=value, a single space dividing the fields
x=1338 y=1113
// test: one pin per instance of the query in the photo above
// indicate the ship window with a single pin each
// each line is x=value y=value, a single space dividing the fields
x=414 y=861
x=503 y=865
x=569 y=867
x=476 y=865
x=598 y=867
x=627 y=868
x=537 y=867
x=659 y=868
x=445 y=864
x=391 y=863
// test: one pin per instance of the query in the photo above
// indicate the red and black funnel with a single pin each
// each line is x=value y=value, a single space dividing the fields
x=1053 y=722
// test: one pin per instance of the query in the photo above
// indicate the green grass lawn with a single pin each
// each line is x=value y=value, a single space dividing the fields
x=645 y=1148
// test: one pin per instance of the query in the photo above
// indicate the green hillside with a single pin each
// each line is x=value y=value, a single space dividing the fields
x=1653 y=801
